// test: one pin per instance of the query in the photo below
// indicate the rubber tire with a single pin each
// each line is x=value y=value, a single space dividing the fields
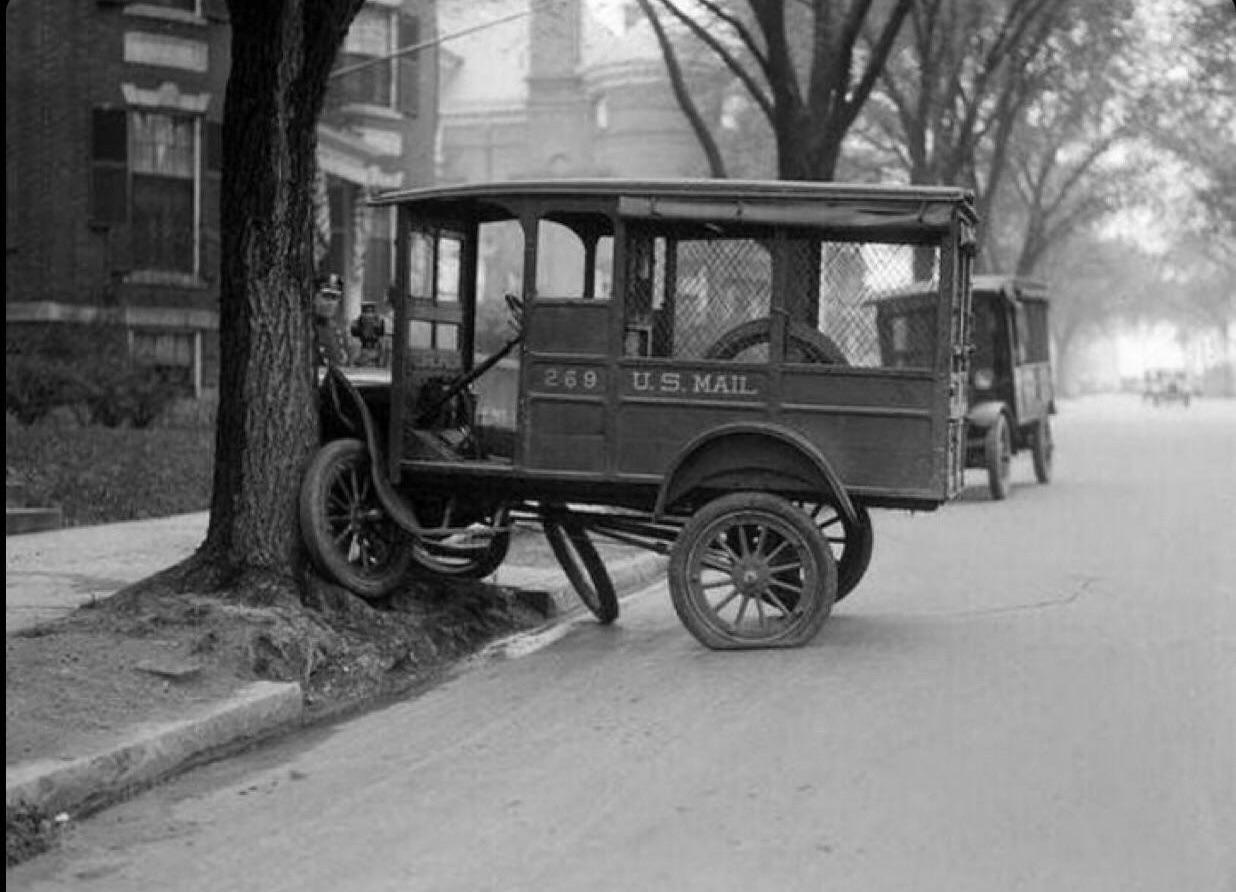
x=816 y=347
x=856 y=550
x=1043 y=447
x=998 y=456
x=332 y=461
x=485 y=563
x=707 y=525
x=583 y=566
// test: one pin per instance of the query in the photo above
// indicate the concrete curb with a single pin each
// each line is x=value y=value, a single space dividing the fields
x=628 y=576
x=154 y=753
x=18 y=521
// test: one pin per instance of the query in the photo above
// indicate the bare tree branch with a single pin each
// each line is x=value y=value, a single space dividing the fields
x=731 y=62
x=716 y=165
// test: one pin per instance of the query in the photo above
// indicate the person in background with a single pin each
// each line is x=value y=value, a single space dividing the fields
x=328 y=336
x=369 y=328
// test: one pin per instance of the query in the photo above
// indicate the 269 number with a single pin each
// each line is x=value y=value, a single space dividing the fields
x=571 y=379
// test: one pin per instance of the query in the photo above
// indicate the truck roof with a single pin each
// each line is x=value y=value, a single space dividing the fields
x=844 y=205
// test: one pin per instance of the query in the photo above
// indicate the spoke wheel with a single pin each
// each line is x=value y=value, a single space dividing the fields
x=350 y=538
x=455 y=557
x=751 y=570
x=851 y=543
x=803 y=343
x=583 y=566
x=998 y=453
x=1043 y=448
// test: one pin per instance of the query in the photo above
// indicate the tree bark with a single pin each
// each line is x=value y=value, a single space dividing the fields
x=267 y=427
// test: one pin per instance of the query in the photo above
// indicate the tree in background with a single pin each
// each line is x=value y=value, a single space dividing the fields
x=1190 y=110
x=1190 y=113
x=978 y=93
x=802 y=65
x=282 y=53
x=1102 y=283
x=1065 y=168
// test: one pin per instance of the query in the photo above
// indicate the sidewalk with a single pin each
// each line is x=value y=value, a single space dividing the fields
x=50 y=574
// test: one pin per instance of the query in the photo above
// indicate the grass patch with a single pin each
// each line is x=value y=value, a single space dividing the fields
x=107 y=475
x=27 y=832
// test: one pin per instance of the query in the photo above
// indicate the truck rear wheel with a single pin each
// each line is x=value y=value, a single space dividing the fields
x=852 y=543
x=750 y=570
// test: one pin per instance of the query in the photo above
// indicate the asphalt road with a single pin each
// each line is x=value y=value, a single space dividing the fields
x=1034 y=695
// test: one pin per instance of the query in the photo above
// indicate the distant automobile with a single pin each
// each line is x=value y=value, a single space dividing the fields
x=1009 y=393
x=1167 y=386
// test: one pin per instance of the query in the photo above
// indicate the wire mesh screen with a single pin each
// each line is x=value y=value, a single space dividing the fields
x=853 y=303
x=877 y=302
x=720 y=287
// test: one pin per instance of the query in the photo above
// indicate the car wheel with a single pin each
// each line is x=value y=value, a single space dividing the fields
x=750 y=570
x=852 y=543
x=582 y=565
x=998 y=453
x=443 y=556
x=348 y=535
x=1043 y=449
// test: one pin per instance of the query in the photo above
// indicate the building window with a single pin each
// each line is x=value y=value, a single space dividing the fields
x=163 y=191
x=368 y=71
x=173 y=356
x=408 y=89
x=370 y=39
x=190 y=6
x=147 y=170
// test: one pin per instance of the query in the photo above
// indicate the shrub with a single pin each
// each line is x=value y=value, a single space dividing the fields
x=35 y=385
x=86 y=367
x=106 y=475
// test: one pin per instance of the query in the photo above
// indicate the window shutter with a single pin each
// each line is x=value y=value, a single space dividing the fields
x=109 y=198
x=409 y=66
x=212 y=137
x=111 y=135
x=215 y=10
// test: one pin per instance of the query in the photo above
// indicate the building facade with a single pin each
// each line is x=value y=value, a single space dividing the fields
x=113 y=112
x=560 y=88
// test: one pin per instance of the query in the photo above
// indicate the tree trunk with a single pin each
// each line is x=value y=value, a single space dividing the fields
x=267 y=427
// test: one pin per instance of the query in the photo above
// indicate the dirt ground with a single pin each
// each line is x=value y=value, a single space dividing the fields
x=76 y=685
x=79 y=684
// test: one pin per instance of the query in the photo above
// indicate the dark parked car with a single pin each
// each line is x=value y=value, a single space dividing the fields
x=1009 y=393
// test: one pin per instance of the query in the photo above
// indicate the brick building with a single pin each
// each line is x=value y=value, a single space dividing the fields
x=112 y=129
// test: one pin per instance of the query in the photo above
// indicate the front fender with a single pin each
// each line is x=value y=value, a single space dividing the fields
x=343 y=407
x=726 y=454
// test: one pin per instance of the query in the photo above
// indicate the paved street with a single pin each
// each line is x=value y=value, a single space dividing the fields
x=1037 y=695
